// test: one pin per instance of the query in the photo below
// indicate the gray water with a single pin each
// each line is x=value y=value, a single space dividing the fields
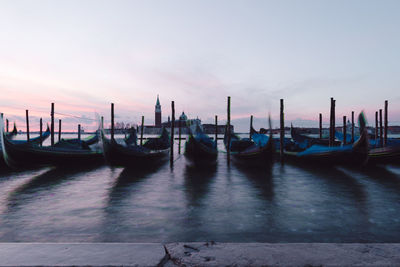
x=284 y=203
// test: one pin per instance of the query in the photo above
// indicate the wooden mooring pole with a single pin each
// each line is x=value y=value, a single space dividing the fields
x=251 y=126
x=282 y=130
x=52 y=125
x=216 y=130
x=380 y=128
x=41 y=132
x=320 y=125
x=27 y=125
x=179 y=135
x=7 y=123
x=376 y=127
x=385 y=124
x=112 y=121
x=79 y=132
x=331 y=123
x=344 y=131
x=352 y=127
x=141 y=131
x=59 y=130
x=228 y=150
x=102 y=123
x=171 y=157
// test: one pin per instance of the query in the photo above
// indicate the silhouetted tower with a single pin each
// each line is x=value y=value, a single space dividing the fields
x=158 y=113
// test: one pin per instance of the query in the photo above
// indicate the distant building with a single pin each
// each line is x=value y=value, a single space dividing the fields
x=157 y=113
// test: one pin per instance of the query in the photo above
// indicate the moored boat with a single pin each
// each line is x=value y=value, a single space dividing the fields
x=352 y=154
x=129 y=154
x=200 y=149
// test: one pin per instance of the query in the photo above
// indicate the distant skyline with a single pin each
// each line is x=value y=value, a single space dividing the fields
x=83 y=55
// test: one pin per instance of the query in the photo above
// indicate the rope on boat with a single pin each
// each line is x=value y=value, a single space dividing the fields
x=74 y=116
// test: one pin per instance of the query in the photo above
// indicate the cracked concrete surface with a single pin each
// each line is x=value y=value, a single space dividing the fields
x=304 y=254
x=198 y=254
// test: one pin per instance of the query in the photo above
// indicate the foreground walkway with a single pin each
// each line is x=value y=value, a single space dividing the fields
x=198 y=254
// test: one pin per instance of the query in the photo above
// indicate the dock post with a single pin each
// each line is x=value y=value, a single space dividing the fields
x=320 y=125
x=380 y=128
x=352 y=127
x=141 y=131
x=102 y=123
x=112 y=121
x=41 y=132
x=79 y=132
x=229 y=131
x=385 y=124
x=27 y=125
x=251 y=126
x=216 y=130
x=282 y=131
x=52 y=124
x=344 y=130
x=59 y=130
x=331 y=123
x=171 y=157
x=179 y=135
x=7 y=125
x=376 y=127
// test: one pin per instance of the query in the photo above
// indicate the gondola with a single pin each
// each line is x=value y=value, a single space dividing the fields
x=200 y=149
x=258 y=151
x=389 y=154
x=352 y=154
x=35 y=140
x=304 y=141
x=27 y=155
x=126 y=154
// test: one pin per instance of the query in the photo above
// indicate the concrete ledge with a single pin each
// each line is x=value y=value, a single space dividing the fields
x=198 y=254
x=304 y=254
x=82 y=254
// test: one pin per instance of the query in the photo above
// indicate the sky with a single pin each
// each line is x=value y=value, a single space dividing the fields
x=83 y=55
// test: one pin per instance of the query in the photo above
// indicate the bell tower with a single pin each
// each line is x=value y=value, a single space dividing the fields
x=158 y=113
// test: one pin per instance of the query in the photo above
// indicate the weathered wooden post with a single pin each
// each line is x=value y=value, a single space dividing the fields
x=333 y=122
x=27 y=125
x=7 y=125
x=251 y=126
x=216 y=130
x=330 y=123
x=59 y=130
x=386 y=124
x=41 y=132
x=229 y=131
x=79 y=132
x=320 y=125
x=172 y=132
x=141 y=131
x=102 y=123
x=380 y=128
x=352 y=127
x=282 y=131
x=344 y=130
x=179 y=135
x=376 y=127
x=112 y=121
x=52 y=125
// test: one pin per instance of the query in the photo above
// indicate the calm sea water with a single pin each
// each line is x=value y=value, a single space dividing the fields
x=284 y=203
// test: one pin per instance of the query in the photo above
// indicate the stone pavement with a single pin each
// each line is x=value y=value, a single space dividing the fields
x=198 y=254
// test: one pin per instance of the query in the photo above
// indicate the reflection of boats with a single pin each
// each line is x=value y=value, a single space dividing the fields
x=200 y=148
x=45 y=182
x=21 y=155
x=130 y=154
x=356 y=153
x=257 y=151
x=197 y=182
